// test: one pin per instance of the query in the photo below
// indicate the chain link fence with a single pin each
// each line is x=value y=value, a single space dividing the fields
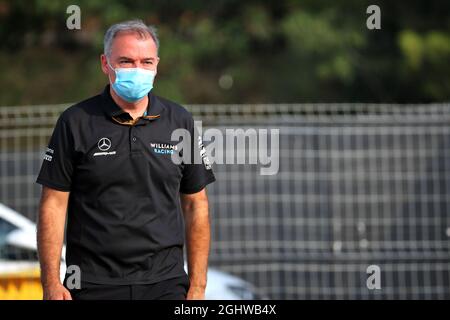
x=357 y=185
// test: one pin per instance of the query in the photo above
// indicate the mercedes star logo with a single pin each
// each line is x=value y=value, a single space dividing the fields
x=104 y=144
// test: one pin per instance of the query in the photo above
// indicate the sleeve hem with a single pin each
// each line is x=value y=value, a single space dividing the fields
x=53 y=185
x=198 y=187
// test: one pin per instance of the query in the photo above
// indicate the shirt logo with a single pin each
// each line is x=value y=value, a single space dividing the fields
x=47 y=156
x=203 y=154
x=104 y=144
x=163 y=148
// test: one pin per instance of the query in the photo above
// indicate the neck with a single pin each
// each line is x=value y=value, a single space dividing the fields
x=135 y=109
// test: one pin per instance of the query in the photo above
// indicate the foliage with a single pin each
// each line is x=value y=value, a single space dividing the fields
x=229 y=51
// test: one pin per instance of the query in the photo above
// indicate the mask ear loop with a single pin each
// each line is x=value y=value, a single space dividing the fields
x=109 y=65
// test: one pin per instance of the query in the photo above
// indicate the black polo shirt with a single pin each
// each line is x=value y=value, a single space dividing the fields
x=125 y=224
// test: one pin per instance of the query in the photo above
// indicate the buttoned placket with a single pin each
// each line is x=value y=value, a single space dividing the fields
x=134 y=134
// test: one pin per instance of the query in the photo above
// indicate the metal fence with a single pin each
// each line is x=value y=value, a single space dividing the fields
x=358 y=185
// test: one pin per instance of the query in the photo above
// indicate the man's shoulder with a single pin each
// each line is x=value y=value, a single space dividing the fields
x=81 y=110
x=174 y=108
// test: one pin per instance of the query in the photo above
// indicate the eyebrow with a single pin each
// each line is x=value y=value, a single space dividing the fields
x=127 y=58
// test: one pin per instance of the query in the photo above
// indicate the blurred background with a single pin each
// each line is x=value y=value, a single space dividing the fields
x=364 y=134
x=231 y=51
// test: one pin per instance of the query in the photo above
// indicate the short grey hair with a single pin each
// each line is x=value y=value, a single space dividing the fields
x=136 y=26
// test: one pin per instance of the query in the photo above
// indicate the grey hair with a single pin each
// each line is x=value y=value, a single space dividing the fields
x=137 y=26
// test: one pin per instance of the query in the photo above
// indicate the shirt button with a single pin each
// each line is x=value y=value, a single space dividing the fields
x=134 y=139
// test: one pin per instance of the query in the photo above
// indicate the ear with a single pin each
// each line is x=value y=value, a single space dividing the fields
x=156 y=64
x=104 y=64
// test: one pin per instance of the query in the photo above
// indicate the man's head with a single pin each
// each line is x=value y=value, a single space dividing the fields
x=130 y=44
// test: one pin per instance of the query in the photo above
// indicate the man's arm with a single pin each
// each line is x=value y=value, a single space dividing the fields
x=50 y=237
x=196 y=217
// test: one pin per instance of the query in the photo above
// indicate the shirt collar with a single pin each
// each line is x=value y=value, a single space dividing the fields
x=154 y=109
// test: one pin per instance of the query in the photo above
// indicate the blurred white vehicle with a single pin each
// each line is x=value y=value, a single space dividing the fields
x=18 y=253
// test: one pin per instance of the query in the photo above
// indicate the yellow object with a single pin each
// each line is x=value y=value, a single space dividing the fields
x=23 y=285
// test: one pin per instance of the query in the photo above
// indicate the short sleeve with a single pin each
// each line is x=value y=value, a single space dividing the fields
x=197 y=173
x=57 y=165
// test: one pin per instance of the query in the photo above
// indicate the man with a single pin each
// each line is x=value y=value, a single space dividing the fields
x=109 y=165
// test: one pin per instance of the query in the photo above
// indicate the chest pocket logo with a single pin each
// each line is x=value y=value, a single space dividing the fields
x=104 y=144
x=163 y=148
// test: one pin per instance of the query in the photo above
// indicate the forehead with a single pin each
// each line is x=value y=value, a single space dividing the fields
x=133 y=45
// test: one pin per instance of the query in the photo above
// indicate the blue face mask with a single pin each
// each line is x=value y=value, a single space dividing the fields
x=132 y=84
